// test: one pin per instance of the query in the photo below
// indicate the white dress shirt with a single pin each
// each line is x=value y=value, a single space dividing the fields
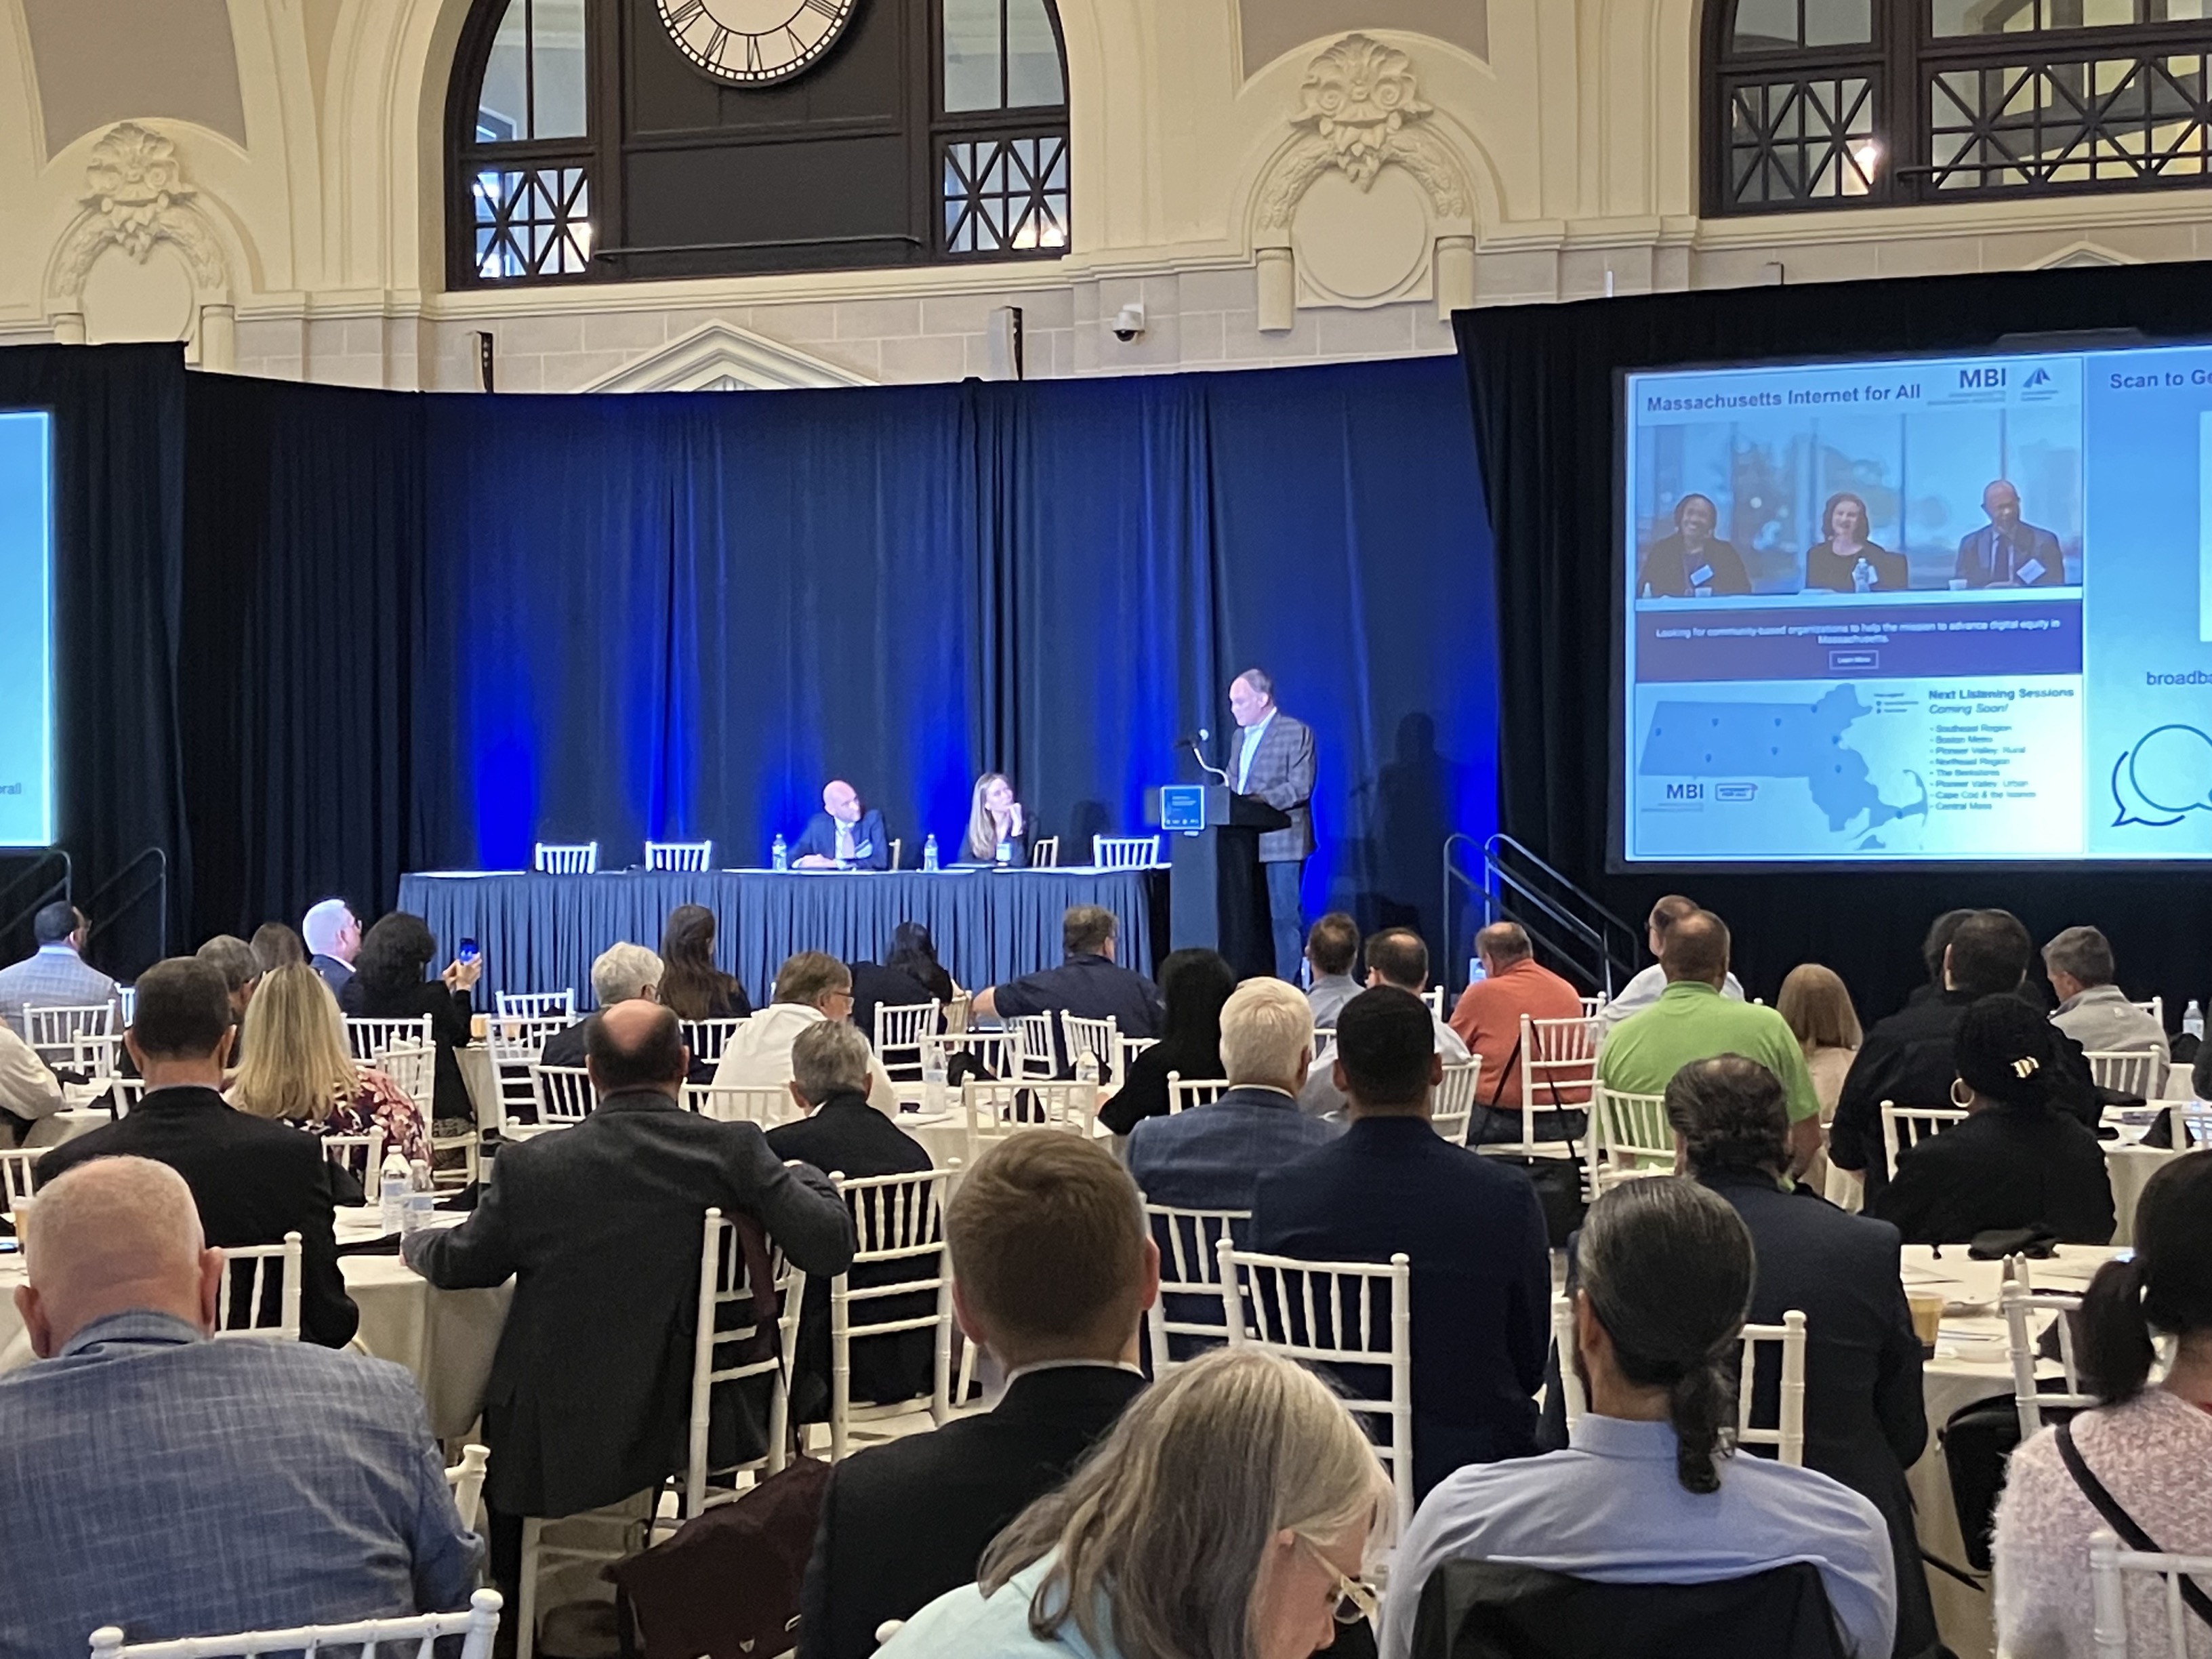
x=1642 y=991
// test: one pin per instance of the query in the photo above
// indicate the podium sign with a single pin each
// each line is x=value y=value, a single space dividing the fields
x=1182 y=806
x=1217 y=897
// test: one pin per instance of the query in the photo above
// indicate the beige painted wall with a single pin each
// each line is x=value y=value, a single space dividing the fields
x=1554 y=156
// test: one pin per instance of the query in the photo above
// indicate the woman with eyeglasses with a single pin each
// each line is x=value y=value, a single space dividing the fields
x=1230 y=1515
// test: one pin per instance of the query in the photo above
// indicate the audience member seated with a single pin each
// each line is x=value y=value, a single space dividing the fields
x=622 y=973
x=889 y=984
x=1052 y=1275
x=690 y=982
x=1907 y=1058
x=177 y=1486
x=1227 y=1516
x=1816 y=1006
x=1647 y=1491
x=1488 y=1020
x=1398 y=958
x=234 y=958
x=1865 y=1420
x=1332 y=952
x=331 y=933
x=387 y=983
x=2093 y=1010
x=1195 y=982
x=1471 y=1227
x=913 y=953
x=841 y=837
x=843 y=1135
x=810 y=987
x=1644 y=989
x=1210 y=1157
x=2147 y=1446
x=55 y=974
x=1933 y=947
x=1087 y=984
x=28 y=1090
x=254 y=1180
x=2019 y=1160
x=275 y=945
x=1693 y=1020
x=598 y=1225
x=299 y=1071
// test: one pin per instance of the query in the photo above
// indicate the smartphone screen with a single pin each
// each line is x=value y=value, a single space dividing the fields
x=470 y=950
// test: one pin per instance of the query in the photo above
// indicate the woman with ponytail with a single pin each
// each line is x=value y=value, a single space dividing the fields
x=2148 y=1447
x=1648 y=1491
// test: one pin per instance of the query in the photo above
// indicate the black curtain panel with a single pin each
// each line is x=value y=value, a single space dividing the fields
x=1542 y=382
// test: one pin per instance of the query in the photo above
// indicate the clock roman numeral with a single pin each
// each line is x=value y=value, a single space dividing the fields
x=715 y=42
x=832 y=10
x=680 y=17
x=797 y=45
x=752 y=52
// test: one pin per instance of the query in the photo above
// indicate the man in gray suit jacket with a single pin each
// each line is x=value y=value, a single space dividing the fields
x=2006 y=552
x=1272 y=758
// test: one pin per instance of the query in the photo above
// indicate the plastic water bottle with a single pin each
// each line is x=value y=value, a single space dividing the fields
x=1862 y=577
x=779 y=854
x=420 y=1207
x=1086 y=1071
x=929 y=853
x=391 y=1193
x=1003 y=855
x=2192 y=1019
x=933 y=1077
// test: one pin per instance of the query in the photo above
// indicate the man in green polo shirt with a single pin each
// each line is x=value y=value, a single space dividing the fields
x=1691 y=1020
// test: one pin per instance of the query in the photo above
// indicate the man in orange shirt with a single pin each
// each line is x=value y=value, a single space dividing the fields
x=1488 y=1020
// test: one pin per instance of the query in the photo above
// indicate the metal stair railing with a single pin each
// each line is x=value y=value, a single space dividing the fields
x=1568 y=925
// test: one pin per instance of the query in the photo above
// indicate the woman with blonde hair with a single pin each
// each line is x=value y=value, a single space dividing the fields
x=1816 y=1006
x=1229 y=1515
x=297 y=1068
x=996 y=820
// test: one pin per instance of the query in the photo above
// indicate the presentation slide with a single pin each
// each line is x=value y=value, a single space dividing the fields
x=1918 y=611
x=27 y=664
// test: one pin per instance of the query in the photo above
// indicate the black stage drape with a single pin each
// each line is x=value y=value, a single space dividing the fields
x=1541 y=380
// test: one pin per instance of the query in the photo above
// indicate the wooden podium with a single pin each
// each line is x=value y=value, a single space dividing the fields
x=1218 y=896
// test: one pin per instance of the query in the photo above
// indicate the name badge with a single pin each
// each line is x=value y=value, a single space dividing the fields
x=1702 y=576
x=2033 y=571
x=864 y=849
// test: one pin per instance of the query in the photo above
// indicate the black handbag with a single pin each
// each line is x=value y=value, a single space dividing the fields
x=1557 y=1181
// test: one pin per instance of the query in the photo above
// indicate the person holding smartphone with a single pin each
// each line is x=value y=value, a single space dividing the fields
x=389 y=983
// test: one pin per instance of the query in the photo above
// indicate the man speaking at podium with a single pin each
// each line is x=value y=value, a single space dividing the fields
x=1272 y=758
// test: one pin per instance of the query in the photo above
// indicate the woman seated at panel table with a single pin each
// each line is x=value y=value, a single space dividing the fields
x=387 y=983
x=297 y=1069
x=1691 y=562
x=996 y=823
x=1845 y=561
x=2019 y=1160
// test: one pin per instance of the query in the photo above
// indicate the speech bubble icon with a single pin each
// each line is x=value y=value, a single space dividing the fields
x=2171 y=770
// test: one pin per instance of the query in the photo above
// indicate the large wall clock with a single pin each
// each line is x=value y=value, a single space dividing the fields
x=754 y=42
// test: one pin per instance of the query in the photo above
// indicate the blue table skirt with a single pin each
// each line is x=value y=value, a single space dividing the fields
x=540 y=932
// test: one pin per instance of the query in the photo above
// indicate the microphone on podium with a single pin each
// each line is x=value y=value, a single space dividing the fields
x=1198 y=755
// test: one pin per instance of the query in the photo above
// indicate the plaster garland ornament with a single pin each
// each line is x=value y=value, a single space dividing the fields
x=1360 y=110
x=138 y=198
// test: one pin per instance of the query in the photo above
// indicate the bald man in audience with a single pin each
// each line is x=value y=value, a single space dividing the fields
x=178 y=1487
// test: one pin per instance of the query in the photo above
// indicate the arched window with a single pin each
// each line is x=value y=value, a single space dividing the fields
x=1813 y=104
x=621 y=139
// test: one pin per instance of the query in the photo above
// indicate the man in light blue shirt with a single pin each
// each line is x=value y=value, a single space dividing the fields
x=1643 y=1495
x=177 y=1486
x=1332 y=951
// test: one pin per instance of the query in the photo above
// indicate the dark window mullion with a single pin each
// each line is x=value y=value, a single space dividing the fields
x=530 y=68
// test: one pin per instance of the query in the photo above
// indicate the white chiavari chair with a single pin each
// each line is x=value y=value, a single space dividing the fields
x=1629 y=1136
x=539 y=1005
x=1031 y=1049
x=1434 y=996
x=1454 y=1103
x=724 y=1283
x=123 y=1093
x=372 y=1638
x=15 y=1167
x=126 y=997
x=1044 y=853
x=1338 y=1314
x=1571 y=1400
x=765 y=1103
x=2140 y=1072
x=74 y=1037
x=707 y=1038
x=1014 y=1106
x=2023 y=1309
x=696 y=857
x=465 y=1479
x=996 y=1052
x=2118 y=1610
x=1558 y=1063
x=362 y=1154
x=1591 y=1006
x=900 y=1027
x=1190 y=1243
x=566 y=858
x=1097 y=1038
x=367 y=1039
x=513 y=1047
x=1904 y=1126
x=1786 y=1437
x=1125 y=851
x=245 y=1305
x=1127 y=1049
x=1183 y=1093
x=2156 y=1009
x=2192 y=1125
x=564 y=1097
x=897 y=1219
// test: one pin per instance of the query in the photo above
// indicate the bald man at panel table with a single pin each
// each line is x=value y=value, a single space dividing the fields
x=843 y=835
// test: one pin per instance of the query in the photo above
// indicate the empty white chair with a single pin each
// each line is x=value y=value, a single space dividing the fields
x=1125 y=851
x=242 y=1308
x=1183 y=1093
x=466 y=1479
x=765 y=1103
x=1096 y=1038
x=127 y=996
x=367 y=1039
x=2111 y=1564
x=1013 y=1105
x=566 y=858
x=1454 y=1108
x=564 y=1096
x=123 y=1093
x=1906 y=1125
x=1786 y=1437
x=696 y=856
x=361 y=1154
x=1044 y=853
x=1031 y=1050
x=539 y=1005
x=707 y=1038
x=414 y=1067
x=994 y=1051
x=2138 y=1072
x=1334 y=1313
x=900 y=1028
x=1190 y=1243
x=15 y=1168
x=513 y=1047
x=374 y=1639
x=1629 y=1136
x=897 y=1219
x=76 y=1038
x=2021 y=1306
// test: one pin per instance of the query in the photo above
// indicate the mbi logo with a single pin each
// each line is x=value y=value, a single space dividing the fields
x=1686 y=792
x=1989 y=379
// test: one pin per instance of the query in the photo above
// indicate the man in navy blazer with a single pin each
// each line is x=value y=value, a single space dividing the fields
x=842 y=836
x=1471 y=1227
x=2006 y=552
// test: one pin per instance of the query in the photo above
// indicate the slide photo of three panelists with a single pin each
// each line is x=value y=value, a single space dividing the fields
x=2006 y=552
